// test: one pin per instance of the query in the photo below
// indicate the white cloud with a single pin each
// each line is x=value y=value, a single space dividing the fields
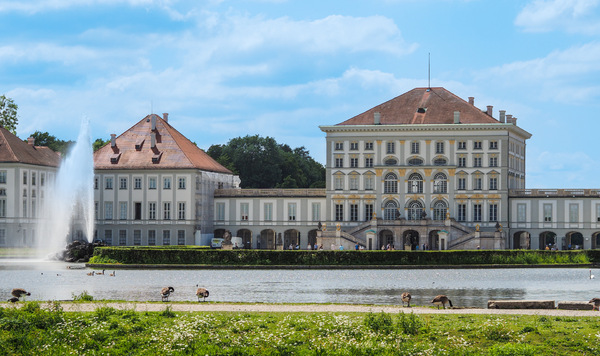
x=575 y=16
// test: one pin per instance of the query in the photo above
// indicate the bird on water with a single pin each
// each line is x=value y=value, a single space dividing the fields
x=166 y=292
x=406 y=297
x=19 y=292
x=202 y=293
x=442 y=300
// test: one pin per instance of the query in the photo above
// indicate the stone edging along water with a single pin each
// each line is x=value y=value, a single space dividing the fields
x=310 y=267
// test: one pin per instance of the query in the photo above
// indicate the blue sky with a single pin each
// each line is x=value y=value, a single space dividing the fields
x=278 y=68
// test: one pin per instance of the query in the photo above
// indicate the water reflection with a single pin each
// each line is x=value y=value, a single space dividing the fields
x=465 y=287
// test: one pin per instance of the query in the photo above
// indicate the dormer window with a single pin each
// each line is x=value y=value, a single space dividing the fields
x=114 y=158
x=156 y=158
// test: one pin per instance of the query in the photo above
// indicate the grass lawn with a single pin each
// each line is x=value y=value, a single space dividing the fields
x=31 y=330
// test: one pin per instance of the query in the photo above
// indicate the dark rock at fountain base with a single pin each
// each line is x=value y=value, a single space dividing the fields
x=78 y=252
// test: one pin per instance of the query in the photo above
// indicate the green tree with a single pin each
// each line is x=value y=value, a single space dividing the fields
x=50 y=141
x=99 y=143
x=8 y=114
x=263 y=163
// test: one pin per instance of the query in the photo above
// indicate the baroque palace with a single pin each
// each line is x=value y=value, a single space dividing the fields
x=425 y=170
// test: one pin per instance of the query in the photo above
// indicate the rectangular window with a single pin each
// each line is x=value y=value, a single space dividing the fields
x=122 y=183
x=2 y=177
x=151 y=211
x=167 y=183
x=181 y=237
x=462 y=212
x=368 y=162
x=137 y=211
x=462 y=145
x=95 y=210
x=244 y=211
x=108 y=237
x=414 y=147
x=292 y=211
x=493 y=145
x=369 y=182
x=339 y=212
x=2 y=192
x=493 y=183
x=598 y=212
x=339 y=146
x=339 y=182
x=166 y=211
x=368 y=146
x=462 y=161
x=166 y=237
x=368 y=212
x=43 y=179
x=477 y=183
x=95 y=182
x=521 y=212
x=547 y=212
x=439 y=147
x=32 y=178
x=152 y=183
x=137 y=183
x=2 y=208
x=353 y=212
x=339 y=162
x=108 y=210
x=493 y=161
x=108 y=183
x=122 y=237
x=151 y=237
x=462 y=183
x=123 y=210
x=354 y=182
x=316 y=211
x=390 y=147
x=476 y=161
x=220 y=211
x=573 y=213
x=137 y=237
x=493 y=212
x=353 y=146
x=477 y=212
x=181 y=211
x=353 y=162
x=181 y=184
x=268 y=207
x=476 y=145
x=2 y=237
x=24 y=177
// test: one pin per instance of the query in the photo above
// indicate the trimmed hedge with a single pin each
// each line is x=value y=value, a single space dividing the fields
x=198 y=256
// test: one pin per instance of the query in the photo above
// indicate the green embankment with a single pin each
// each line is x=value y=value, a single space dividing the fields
x=200 y=256
x=31 y=330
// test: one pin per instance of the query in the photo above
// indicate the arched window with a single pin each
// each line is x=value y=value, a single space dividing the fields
x=439 y=162
x=390 y=162
x=415 y=183
x=415 y=210
x=415 y=162
x=440 y=183
x=390 y=211
x=439 y=210
x=390 y=184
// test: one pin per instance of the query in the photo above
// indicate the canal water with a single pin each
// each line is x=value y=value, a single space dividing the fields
x=465 y=287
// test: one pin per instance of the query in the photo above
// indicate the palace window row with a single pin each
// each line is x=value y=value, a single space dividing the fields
x=137 y=183
x=123 y=212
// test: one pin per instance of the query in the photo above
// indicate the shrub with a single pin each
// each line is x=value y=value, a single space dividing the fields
x=409 y=324
x=168 y=312
x=82 y=297
x=381 y=322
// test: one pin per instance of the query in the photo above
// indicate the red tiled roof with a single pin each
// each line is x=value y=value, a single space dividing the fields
x=437 y=107
x=13 y=149
x=172 y=150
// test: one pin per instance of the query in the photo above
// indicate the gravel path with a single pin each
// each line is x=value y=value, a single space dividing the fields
x=307 y=308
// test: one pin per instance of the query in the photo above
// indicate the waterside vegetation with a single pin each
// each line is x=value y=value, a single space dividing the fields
x=33 y=330
x=174 y=255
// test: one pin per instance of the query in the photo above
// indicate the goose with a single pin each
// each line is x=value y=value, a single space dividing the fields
x=100 y=273
x=442 y=300
x=112 y=274
x=13 y=300
x=202 y=293
x=91 y=273
x=19 y=292
x=596 y=303
x=166 y=292
x=406 y=297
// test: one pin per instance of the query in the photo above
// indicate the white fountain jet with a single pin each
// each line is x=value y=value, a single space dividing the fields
x=68 y=209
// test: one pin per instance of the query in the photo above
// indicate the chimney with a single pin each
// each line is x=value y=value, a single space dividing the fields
x=153 y=123
x=30 y=141
x=514 y=121
x=490 y=110
x=166 y=116
x=502 y=116
x=113 y=140
x=377 y=118
x=457 y=117
x=509 y=119
x=472 y=100
x=152 y=140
